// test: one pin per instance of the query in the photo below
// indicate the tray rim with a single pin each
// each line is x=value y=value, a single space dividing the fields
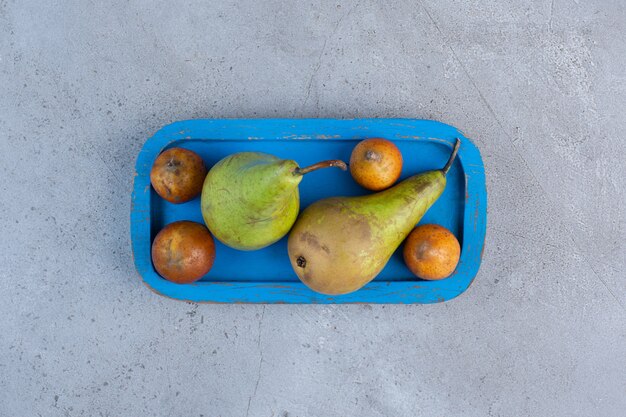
x=274 y=292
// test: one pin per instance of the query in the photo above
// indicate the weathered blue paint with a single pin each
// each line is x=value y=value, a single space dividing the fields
x=265 y=276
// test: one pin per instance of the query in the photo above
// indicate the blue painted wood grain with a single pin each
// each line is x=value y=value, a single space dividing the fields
x=265 y=276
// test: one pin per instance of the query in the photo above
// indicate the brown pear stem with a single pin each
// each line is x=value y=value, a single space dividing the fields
x=455 y=150
x=324 y=164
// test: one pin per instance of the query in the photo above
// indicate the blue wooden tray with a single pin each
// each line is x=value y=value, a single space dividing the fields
x=265 y=276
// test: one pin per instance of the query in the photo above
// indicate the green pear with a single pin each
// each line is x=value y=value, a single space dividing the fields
x=250 y=199
x=339 y=244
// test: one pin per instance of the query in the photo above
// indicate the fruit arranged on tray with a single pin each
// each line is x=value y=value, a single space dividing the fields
x=250 y=200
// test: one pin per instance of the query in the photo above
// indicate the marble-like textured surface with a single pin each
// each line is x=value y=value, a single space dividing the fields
x=540 y=88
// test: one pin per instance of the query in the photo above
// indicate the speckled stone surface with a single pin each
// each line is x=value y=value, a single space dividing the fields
x=539 y=86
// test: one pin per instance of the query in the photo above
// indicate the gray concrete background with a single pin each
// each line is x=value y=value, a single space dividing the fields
x=539 y=86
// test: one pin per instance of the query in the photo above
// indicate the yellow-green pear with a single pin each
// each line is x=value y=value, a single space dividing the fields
x=339 y=244
x=250 y=199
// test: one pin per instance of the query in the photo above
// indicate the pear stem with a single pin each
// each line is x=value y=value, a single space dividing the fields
x=324 y=164
x=455 y=150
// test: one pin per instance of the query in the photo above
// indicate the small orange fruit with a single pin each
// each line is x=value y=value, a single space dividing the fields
x=178 y=175
x=183 y=252
x=431 y=252
x=375 y=163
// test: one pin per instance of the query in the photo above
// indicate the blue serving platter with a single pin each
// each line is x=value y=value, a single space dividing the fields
x=266 y=276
